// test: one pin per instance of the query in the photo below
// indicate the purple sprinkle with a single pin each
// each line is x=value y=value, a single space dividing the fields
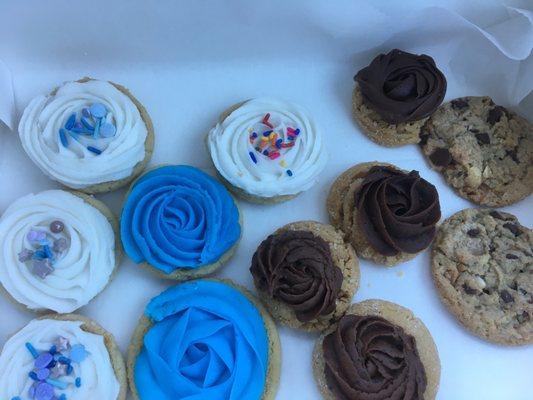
x=59 y=245
x=25 y=255
x=70 y=122
x=42 y=268
x=278 y=143
x=289 y=172
x=43 y=360
x=78 y=125
x=35 y=236
x=94 y=150
x=107 y=130
x=291 y=138
x=254 y=135
x=297 y=132
x=33 y=376
x=42 y=374
x=62 y=343
x=267 y=133
x=252 y=156
x=63 y=137
x=85 y=112
x=78 y=353
x=53 y=349
x=69 y=369
x=57 y=227
x=265 y=152
x=44 y=391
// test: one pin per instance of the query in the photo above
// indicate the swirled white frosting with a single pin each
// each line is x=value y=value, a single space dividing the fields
x=230 y=147
x=96 y=371
x=84 y=268
x=75 y=166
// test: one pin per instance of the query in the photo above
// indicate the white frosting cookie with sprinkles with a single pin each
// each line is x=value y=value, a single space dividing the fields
x=57 y=250
x=89 y=135
x=66 y=357
x=267 y=150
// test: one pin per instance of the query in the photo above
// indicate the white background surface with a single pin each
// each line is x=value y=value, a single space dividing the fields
x=187 y=61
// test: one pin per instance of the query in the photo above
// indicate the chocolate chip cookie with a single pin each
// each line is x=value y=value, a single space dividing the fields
x=484 y=151
x=483 y=269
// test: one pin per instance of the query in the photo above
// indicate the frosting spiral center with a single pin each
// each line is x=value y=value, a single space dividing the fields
x=402 y=87
x=296 y=268
x=397 y=211
x=368 y=357
x=207 y=342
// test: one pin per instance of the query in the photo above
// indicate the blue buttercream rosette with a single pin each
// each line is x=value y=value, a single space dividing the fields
x=207 y=341
x=178 y=217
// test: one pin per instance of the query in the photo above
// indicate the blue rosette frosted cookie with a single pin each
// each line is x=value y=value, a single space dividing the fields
x=204 y=340
x=179 y=222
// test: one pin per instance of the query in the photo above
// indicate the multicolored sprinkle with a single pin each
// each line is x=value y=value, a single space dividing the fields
x=45 y=248
x=49 y=367
x=270 y=143
x=92 y=126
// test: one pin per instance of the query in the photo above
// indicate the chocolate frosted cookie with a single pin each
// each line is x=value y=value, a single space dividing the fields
x=394 y=96
x=483 y=269
x=484 y=151
x=306 y=275
x=388 y=215
x=377 y=351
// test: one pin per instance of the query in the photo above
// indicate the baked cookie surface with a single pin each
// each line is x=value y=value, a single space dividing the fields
x=484 y=151
x=483 y=269
x=306 y=275
x=378 y=351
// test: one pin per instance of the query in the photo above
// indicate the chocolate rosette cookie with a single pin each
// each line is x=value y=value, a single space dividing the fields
x=483 y=269
x=484 y=151
x=306 y=275
x=388 y=215
x=377 y=351
x=395 y=94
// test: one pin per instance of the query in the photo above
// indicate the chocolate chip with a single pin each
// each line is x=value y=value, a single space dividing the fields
x=459 y=104
x=497 y=215
x=441 y=157
x=492 y=248
x=522 y=291
x=487 y=291
x=512 y=154
x=482 y=138
x=506 y=296
x=513 y=285
x=515 y=229
x=510 y=256
x=495 y=114
x=469 y=290
x=524 y=317
x=473 y=232
x=424 y=136
x=474 y=130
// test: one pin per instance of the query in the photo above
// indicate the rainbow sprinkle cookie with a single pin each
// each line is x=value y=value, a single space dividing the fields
x=267 y=150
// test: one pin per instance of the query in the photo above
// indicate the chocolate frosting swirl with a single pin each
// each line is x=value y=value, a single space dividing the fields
x=401 y=86
x=397 y=211
x=368 y=357
x=296 y=268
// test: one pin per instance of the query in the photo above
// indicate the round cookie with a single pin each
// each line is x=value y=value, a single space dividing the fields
x=380 y=131
x=404 y=233
x=484 y=151
x=306 y=275
x=482 y=266
x=395 y=94
x=405 y=343
x=62 y=356
x=89 y=135
x=207 y=312
x=59 y=250
x=180 y=223
x=267 y=150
